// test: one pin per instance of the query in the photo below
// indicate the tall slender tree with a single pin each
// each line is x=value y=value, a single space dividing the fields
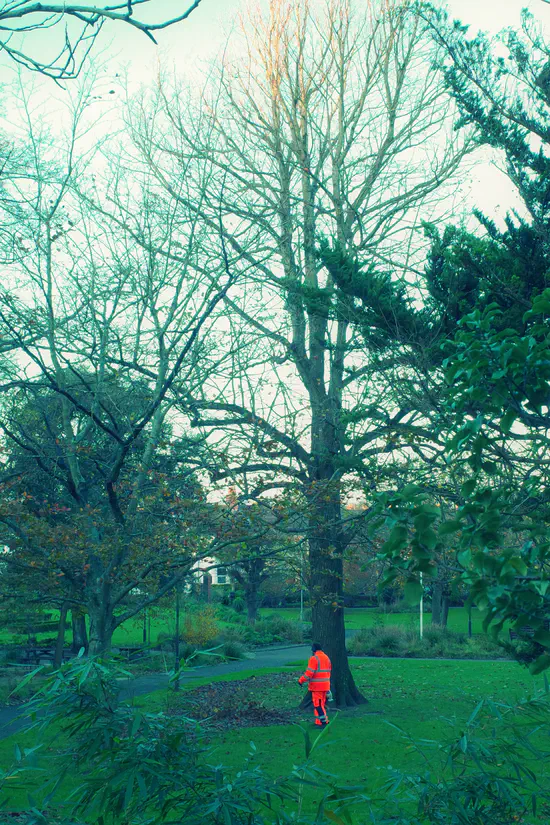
x=325 y=121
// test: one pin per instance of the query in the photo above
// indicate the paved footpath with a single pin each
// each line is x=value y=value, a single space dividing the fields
x=12 y=718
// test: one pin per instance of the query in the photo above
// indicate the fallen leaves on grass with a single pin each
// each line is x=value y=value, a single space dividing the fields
x=254 y=702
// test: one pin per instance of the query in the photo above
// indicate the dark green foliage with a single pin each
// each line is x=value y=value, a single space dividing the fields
x=489 y=772
x=506 y=100
x=239 y=604
x=138 y=768
x=495 y=411
x=375 y=301
x=438 y=643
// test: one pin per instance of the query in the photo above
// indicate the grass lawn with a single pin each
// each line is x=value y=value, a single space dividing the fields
x=416 y=696
x=130 y=633
x=162 y=621
x=357 y=617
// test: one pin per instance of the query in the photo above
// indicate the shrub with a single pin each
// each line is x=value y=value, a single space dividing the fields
x=282 y=629
x=379 y=641
x=161 y=772
x=225 y=613
x=233 y=634
x=438 y=642
x=233 y=650
x=491 y=770
x=437 y=635
x=400 y=606
x=165 y=641
x=258 y=637
x=239 y=605
x=307 y=614
x=200 y=628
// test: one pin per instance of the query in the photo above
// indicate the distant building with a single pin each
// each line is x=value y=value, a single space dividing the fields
x=209 y=566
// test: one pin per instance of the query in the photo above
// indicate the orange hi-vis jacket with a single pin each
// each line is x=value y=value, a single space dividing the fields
x=317 y=674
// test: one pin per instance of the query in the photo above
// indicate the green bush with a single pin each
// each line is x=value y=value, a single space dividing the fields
x=489 y=771
x=437 y=643
x=165 y=641
x=282 y=629
x=161 y=772
x=234 y=634
x=436 y=635
x=400 y=606
x=239 y=605
x=200 y=626
x=233 y=650
x=390 y=640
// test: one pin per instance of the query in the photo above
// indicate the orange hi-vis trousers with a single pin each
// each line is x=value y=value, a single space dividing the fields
x=319 y=698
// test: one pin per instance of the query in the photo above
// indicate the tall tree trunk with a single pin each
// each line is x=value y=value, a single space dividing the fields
x=444 y=609
x=101 y=632
x=326 y=548
x=437 y=596
x=206 y=586
x=254 y=577
x=177 y=640
x=58 y=655
x=251 y=596
x=80 y=633
x=100 y=611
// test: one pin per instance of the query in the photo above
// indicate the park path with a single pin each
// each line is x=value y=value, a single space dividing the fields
x=12 y=718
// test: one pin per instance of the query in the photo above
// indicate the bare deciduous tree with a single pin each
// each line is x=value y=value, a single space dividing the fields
x=324 y=121
x=102 y=331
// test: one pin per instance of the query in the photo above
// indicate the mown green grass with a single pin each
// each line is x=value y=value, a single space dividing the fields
x=162 y=622
x=357 y=617
x=415 y=696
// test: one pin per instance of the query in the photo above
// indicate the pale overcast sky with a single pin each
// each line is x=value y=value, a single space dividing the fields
x=207 y=28
x=188 y=45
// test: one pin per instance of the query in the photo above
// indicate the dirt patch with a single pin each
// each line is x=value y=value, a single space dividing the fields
x=254 y=702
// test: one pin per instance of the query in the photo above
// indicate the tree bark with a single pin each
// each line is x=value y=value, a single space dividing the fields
x=326 y=547
x=437 y=595
x=251 y=595
x=177 y=640
x=254 y=578
x=101 y=629
x=440 y=604
x=80 y=633
x=444 y=609
x=58 y=656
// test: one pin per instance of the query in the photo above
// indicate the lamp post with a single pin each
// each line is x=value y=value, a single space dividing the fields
x=302 y=584
x=421 y=608
x=177 y=639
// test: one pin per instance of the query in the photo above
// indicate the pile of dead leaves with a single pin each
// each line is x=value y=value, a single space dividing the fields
x=244 y=703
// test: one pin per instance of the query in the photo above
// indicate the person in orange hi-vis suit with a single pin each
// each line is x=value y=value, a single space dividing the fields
x=317 y=676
